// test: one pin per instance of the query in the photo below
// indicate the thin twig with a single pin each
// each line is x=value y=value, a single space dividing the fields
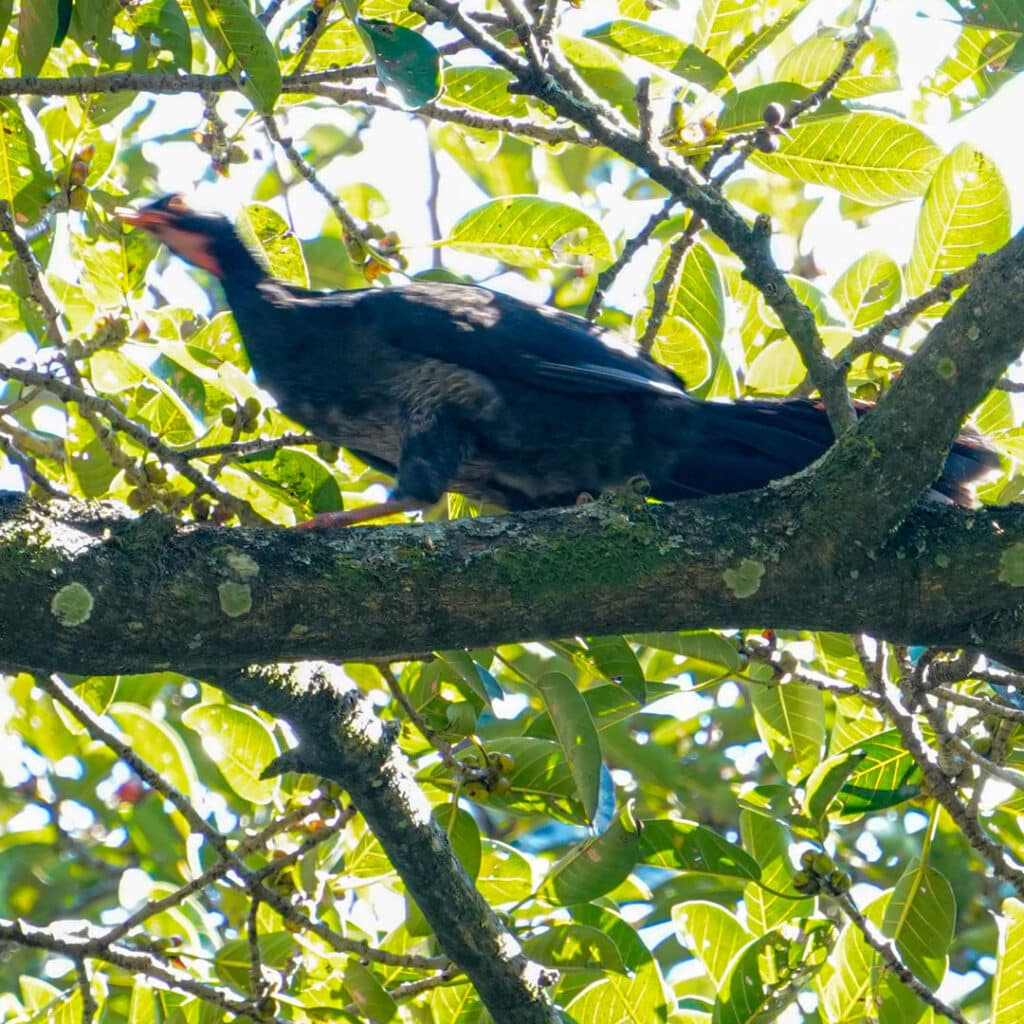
x=607 y=276
x=665 y=286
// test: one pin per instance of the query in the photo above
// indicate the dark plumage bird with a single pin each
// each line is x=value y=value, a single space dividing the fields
x=454 y=387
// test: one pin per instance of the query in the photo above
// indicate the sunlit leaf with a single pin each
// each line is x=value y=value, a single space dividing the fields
x=406 y=61
x=240 y=42
x=527 y=231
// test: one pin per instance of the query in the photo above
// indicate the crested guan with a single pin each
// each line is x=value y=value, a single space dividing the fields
x=454 y=387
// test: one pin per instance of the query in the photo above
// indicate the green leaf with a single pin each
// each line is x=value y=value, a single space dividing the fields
x=868 y=288
x=233 y=959
x=163 y=21
x=873 y=158
x=574 y=947
x=483 y=88
x=463 y=834
x=615 y=661
x=505 y=873
x=886 y=776
x=705 y=651
x=64 y=10
x=857 y=980
x=405 y=60
x=23 y=180
x=966 y=211
x=712 y=933
x=660 y=48
x=88 y=460
x=598 y=66
x=368 y=993
x=240 y=42
x=1003 y=14
x=920 y=917
x=599 y=864
x=812 y=61
x=743 y=111
x=576 y=734
x=157 y=744
x=268 y=232
x=790 y=720
x=759 y=983
x=733 y=32
x=340 y=45
x=6 y=9
x=1008 y=984
x=768 y=843
x=240 y=744
x=687 y=846
x=980 y=62
x=527 y=231
x=824 y=784
x=778 y=368
x=689 y=340
x=37 y=28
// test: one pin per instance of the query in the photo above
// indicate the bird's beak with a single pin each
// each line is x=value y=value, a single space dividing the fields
x=145 y=219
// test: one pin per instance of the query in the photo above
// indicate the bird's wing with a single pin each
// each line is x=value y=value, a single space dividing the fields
x=495 y=335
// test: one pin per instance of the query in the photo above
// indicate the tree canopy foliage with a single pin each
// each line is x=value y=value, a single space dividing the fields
x=238 y=784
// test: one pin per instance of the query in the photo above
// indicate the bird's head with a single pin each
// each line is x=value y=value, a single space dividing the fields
x=206 y=240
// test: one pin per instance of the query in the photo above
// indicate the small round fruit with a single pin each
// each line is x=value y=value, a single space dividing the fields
x=228 y=415
x=839 y=881
x=774 y=114
x=807 y=859
x=155 y=473
x=136 y=499
x=78 y=173
x=78 y=198
x=251 y=407
x=502 y=762
x=501 y=786
x=822 y=864
x=806 y=883
x=475 y=791
x=328 y=452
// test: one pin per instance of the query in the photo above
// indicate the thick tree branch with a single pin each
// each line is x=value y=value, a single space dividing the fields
x=107 y=595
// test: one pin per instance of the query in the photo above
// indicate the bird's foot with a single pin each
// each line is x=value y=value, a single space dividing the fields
x=352 y=516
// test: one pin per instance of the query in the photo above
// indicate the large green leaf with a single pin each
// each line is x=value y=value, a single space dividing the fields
x=978 y=64
x=240 y=42
x=920 y=917
x=157 y=744
x=37 y=29
x=1005 y=14
x=340 y=45
x=527 y=231
x=868 y=288
x=689 y=339
x=483 y=88
x=163 y=22
x=405 y=60
x=576 y=734
x=574 y=947
x=873 y=158
x=886 y=776
x=712 y=933
x=241 y=745
x=599 y=864
x=1008 y=985
x=23 y=180
x=687 y=846
x=790 y=720
x=661 y=48
x=966 y=212
x=873 y=71
x=268 y=232
x=733 y=32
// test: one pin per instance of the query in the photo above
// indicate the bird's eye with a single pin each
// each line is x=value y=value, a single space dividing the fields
x=176 y=204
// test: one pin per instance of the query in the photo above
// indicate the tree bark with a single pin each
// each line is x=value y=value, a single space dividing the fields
x=84 y=590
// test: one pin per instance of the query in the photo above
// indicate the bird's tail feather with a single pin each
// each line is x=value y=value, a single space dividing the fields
x=740 y=446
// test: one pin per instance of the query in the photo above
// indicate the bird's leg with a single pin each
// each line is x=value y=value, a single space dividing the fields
x=351 y=516
x=431 y=453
